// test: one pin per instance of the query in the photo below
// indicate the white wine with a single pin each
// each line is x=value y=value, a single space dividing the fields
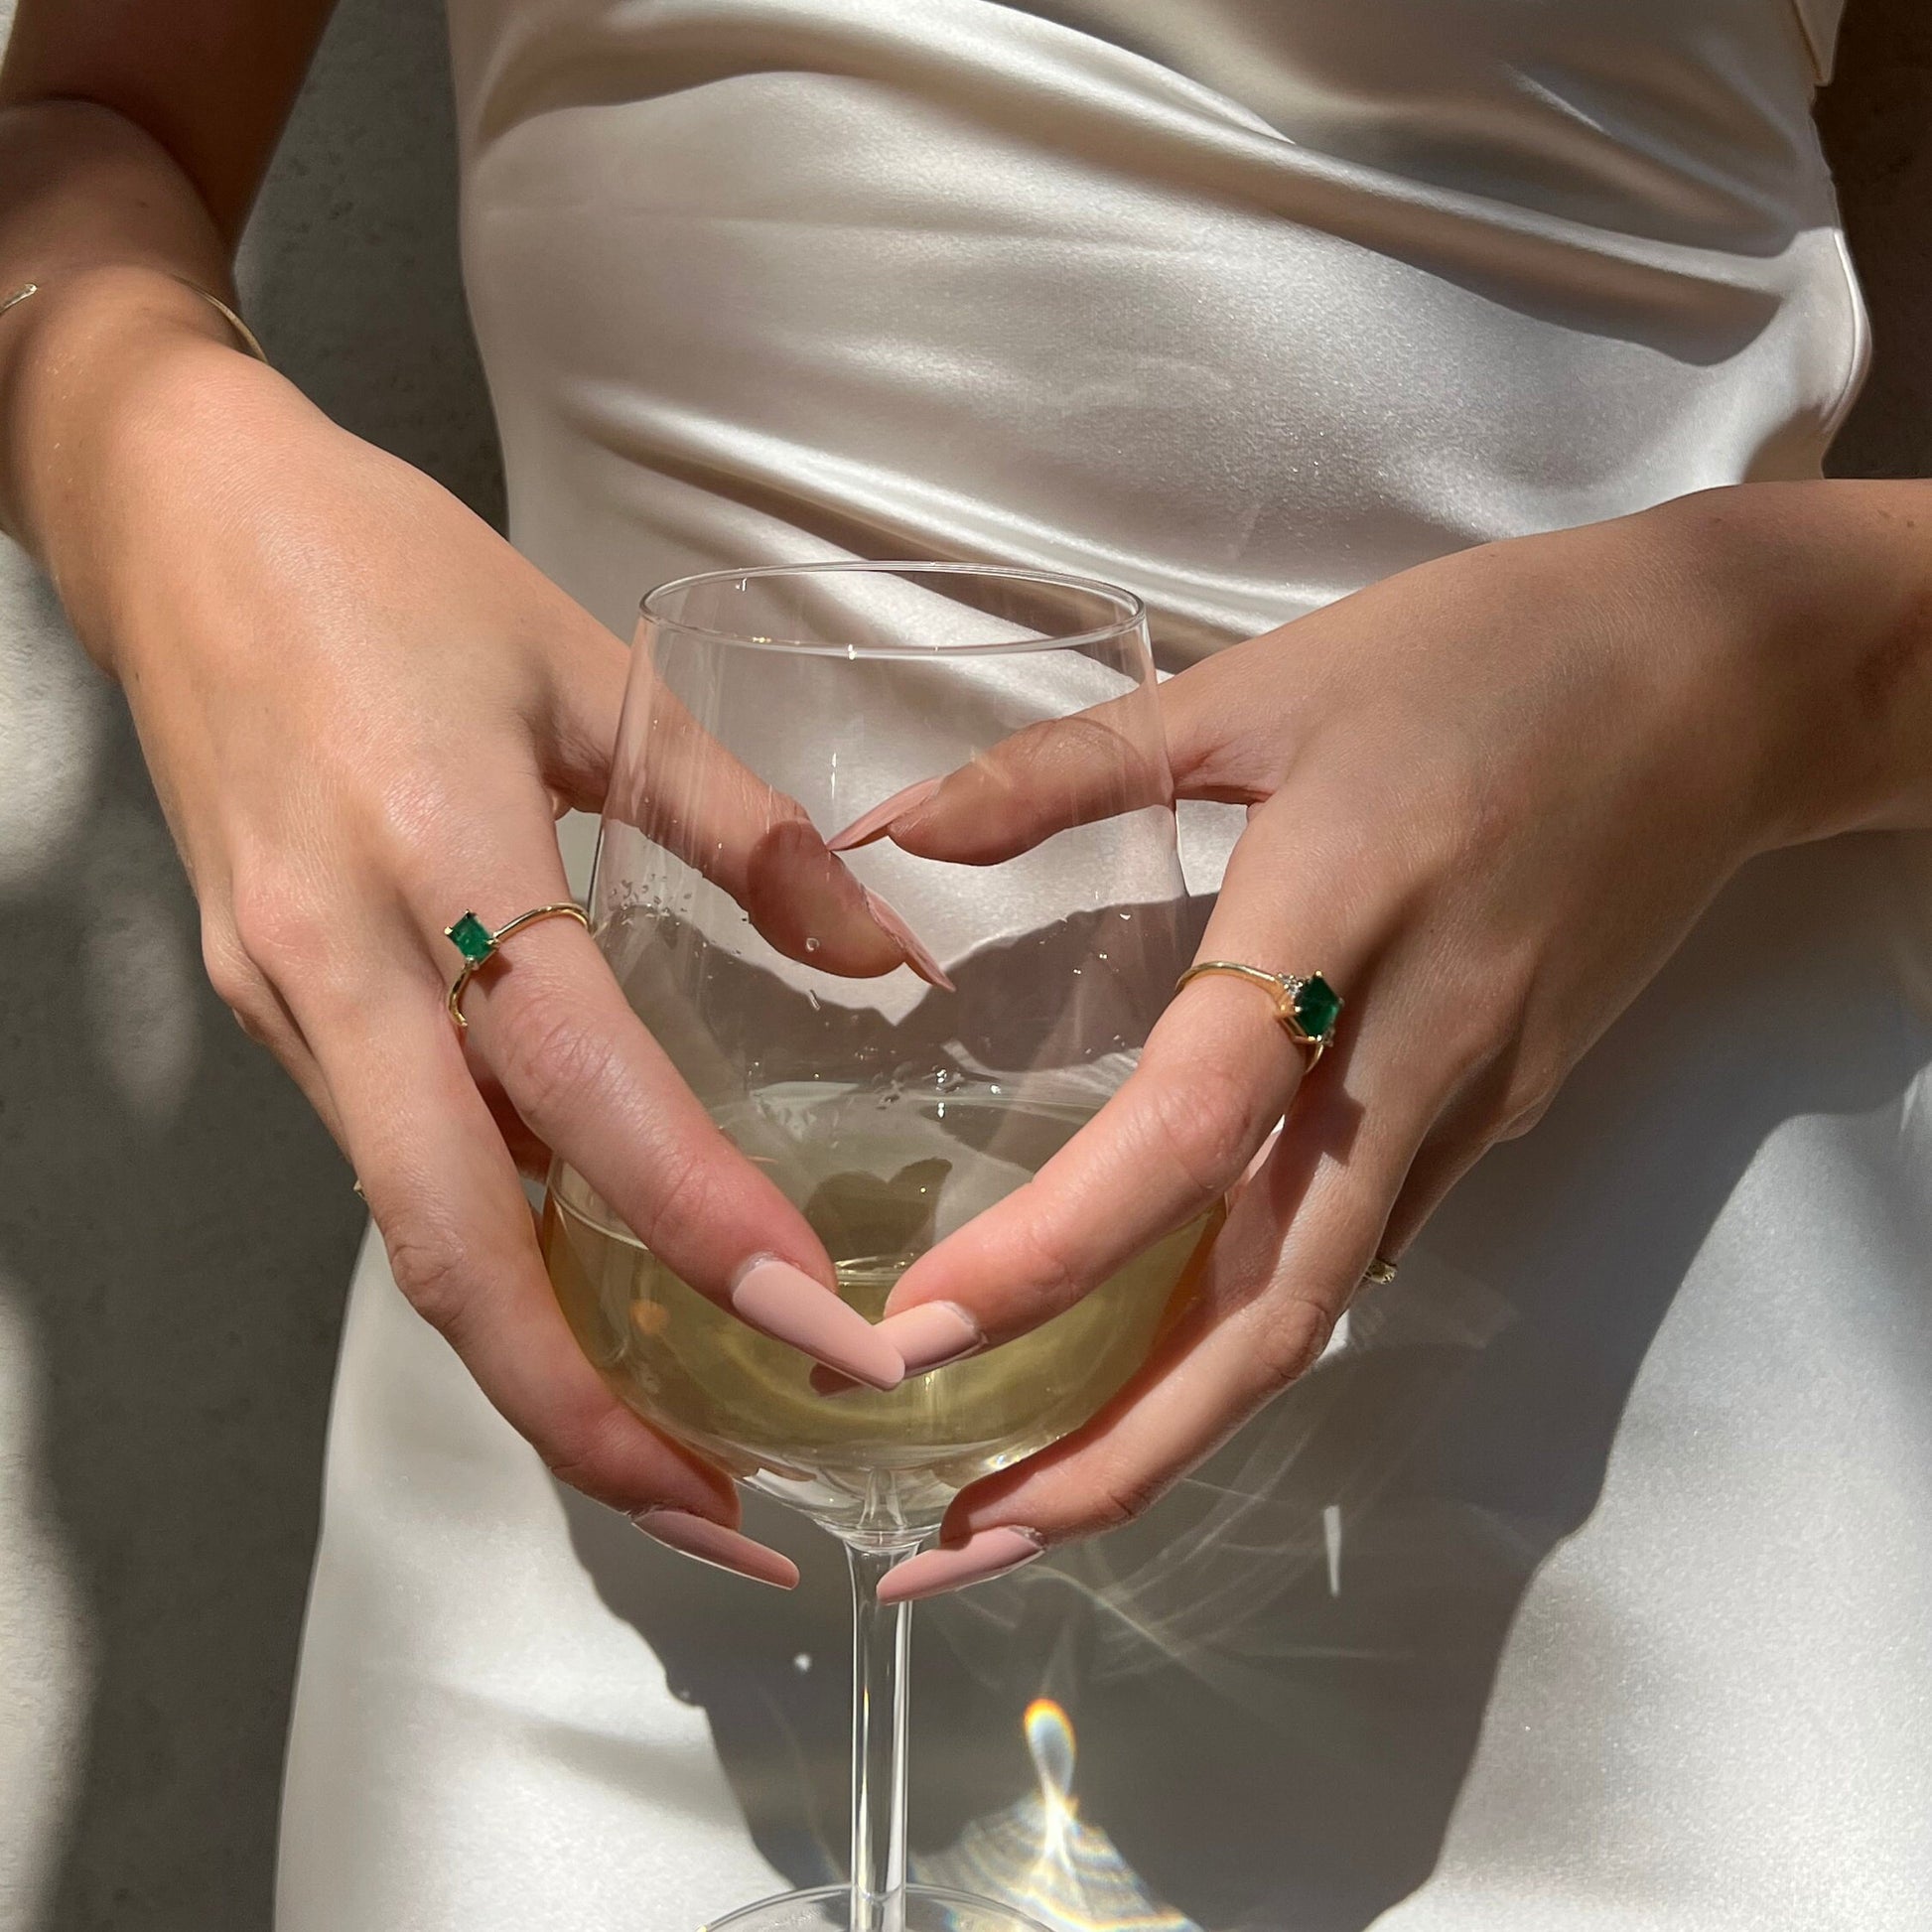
x=878 y=1188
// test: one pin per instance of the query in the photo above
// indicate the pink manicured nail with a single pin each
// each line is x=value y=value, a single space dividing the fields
x=933 y=1571
x=712 y=1543
x=932 y=1334
x=786 y=1304
x=917 y=956
x=873 y=824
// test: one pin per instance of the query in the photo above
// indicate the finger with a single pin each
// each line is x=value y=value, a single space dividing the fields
x=1215 y=1077
x=686 y=792
x=1047 y=778
x=1191 y=738
x=530 y=1152
x=461 y=1244
x=1283 y=1269
x=1217 y=1073
x=579 y=704
x=586 y=1077
x=264 y=1017
x=1467 y=1130
x=803 y=899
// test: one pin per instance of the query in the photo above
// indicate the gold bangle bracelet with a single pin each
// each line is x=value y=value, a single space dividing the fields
x=246 y=336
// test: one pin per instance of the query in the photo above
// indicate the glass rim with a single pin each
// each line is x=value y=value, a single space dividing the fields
x=1132 y=608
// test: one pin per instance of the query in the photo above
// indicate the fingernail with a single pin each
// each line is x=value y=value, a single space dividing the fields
x=932 y=1334
x=786 y=1304
x=917 y=956
x=992 y=1553
x=873 y=824
x=712 y=1543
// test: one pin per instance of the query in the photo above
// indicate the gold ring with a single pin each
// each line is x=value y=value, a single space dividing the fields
x=1379 y=1271
x=1307 y=1007
x=478 y=944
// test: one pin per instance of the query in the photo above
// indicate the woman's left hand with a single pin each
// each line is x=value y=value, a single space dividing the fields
x=1486 y=798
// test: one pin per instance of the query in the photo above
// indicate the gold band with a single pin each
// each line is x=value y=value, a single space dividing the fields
x=250 y=339
x=478 y=944
x=1305 y=1005
x=1379 y=1271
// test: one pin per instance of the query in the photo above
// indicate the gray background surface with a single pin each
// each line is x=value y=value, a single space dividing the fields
x=175 y=1232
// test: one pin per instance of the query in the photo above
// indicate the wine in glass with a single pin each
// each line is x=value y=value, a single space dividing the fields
x=890 y=1108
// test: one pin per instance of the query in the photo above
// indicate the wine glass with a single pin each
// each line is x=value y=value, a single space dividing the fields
x=766 y=710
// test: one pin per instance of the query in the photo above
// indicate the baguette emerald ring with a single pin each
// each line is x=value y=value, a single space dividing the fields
x=1307 y=1006
x=478 y=944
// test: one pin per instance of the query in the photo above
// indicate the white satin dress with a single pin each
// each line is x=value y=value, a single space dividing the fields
x=1587 y=1584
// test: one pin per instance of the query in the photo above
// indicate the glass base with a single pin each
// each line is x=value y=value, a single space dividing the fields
x=828 y=1908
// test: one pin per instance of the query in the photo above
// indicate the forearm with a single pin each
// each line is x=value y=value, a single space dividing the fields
x=1821 y=597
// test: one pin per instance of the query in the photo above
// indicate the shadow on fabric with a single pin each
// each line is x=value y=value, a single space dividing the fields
x=1277 y=1679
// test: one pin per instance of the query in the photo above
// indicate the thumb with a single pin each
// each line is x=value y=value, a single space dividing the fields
x=1144 y=748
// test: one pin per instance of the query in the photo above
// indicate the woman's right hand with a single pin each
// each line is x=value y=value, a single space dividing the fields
x=362 y=710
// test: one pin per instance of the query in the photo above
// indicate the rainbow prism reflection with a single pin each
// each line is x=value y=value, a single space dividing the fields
x=1038 y=1855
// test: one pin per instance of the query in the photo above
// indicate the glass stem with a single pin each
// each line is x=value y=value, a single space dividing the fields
x=880 y=1638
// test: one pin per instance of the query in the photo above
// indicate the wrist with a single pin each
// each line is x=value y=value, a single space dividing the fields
x=1814 y=599
x=114 y=382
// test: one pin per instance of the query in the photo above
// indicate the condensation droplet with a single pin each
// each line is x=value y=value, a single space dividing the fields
x=812 y=945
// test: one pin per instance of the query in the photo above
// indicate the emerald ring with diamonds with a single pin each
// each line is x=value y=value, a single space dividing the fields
x=478 y=944
x=1307 y=1007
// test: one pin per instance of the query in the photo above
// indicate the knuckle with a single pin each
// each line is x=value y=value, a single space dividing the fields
x=682 y=1201
x=1523 y=1109
x=1044 y=1264
x=1514 y=1094
x=1477 y=1051
x=1121 y=1493
x=237 y=983
x=277 y=925
x=584 y=1451
x=1291 y=1341
x=1199 y=1131
x=551 y=1064
x=433 y=1270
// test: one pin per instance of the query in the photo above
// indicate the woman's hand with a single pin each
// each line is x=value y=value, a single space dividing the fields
x=1486 y=798
x=361 y=710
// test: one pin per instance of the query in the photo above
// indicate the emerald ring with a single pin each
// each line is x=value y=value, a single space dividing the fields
x=1307 y=1006
x=478 y=944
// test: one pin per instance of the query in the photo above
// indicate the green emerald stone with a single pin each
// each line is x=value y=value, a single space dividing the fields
x=472 y=939
x=1316 y=1007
